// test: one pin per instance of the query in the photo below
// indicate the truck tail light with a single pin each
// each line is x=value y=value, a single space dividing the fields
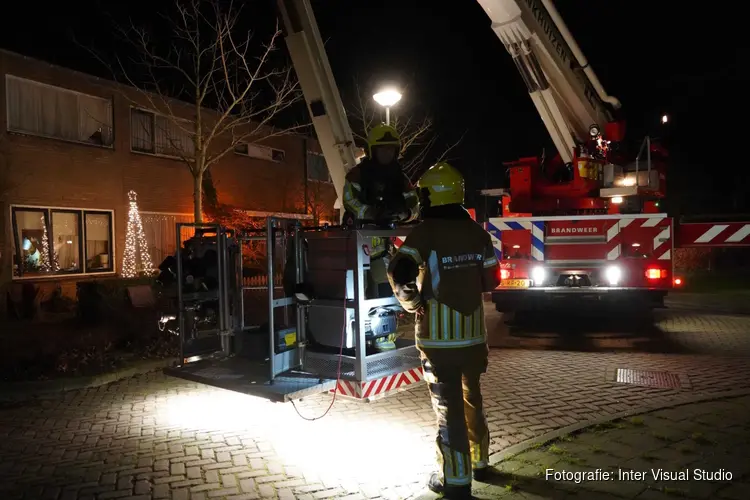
x=656 y=274
x=504 y=274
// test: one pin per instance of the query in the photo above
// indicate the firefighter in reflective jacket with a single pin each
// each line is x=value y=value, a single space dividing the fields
x=440 y=273
x=377 y=191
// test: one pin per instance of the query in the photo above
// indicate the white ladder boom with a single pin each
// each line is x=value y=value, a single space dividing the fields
x=320 y=92
x=566 y=92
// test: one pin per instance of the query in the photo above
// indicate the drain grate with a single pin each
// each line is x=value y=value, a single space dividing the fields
x=649 y=378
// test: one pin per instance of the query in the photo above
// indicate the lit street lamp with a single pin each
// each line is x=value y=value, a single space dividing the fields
x=387 y=98
x=664 y=119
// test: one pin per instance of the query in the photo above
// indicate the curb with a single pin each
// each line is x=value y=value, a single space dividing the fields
x=17 y=391
x=523 y=446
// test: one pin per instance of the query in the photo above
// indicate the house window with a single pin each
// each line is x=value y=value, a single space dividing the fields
x=58 y=241
x=160 y=135
x=38 y=109
x=98 y=241
x=260 y=152
x=317 y=169
x=161 y=234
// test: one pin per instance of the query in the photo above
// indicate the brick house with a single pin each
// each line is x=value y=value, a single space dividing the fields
x=72 y=146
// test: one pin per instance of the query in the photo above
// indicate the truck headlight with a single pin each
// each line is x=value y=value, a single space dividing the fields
x=613 y=275
x=538 y=274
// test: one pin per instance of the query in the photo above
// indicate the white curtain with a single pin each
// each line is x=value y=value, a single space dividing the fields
x=171 y=138
x=141 y=130
x=65 y=232
x=161 y=234
x=94 y=117
x=98 y=234
x=41 y=109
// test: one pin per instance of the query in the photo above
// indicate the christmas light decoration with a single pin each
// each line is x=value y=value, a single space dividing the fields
x=136 y=248
x=44 y=260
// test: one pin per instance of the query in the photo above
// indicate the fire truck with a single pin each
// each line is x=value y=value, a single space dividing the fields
x=585 y=222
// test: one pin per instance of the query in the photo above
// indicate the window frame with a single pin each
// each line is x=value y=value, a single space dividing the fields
x=11 y=130
x=81 y=215
x=262 y=146
x=307 y=169
x=153 y=133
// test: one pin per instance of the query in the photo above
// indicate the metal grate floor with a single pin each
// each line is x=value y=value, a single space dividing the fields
x=648 y=378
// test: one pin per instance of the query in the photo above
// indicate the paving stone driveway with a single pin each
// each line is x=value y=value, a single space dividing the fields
x=157 y=437
x=625 y=459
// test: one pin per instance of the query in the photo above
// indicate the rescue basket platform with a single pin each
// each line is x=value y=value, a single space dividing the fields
x=319 y=318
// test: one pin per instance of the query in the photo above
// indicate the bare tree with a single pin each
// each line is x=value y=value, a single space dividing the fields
x=232 y=84
x=419 y=142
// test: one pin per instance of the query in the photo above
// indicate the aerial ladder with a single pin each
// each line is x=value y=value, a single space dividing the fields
x=584 y=177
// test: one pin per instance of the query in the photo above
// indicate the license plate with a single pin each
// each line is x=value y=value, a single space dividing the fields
x=515 y=283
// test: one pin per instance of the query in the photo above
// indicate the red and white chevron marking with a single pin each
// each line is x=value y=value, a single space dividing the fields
x=707 y=234
x=381 y=387
x=661 y=240
x=613 y=242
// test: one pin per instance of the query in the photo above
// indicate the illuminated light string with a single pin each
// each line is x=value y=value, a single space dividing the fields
x=136 y=247
x=44 y=261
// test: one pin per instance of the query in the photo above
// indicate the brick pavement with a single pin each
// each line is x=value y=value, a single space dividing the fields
x=727 y=302
x=709 y=437
x=157 y=437
x=669 y=332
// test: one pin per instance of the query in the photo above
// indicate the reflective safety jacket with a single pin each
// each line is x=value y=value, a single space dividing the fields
x=372 y=190
x=377 y=247
x=440 y=272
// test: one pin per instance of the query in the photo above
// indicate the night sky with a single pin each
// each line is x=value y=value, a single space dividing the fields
x=656 y=57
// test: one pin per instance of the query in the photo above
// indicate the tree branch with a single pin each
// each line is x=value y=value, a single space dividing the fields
x=418 y=138
x=231 y=89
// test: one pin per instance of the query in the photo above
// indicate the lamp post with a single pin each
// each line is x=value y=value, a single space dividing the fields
x=387 y=98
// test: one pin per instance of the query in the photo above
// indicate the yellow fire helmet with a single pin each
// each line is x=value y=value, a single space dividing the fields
x=444 y=185
x=383 y=135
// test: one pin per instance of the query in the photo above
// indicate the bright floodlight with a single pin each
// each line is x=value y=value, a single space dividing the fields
x=664 y=119
x=387 y=98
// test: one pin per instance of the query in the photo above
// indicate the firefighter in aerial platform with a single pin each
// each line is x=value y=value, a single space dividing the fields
x=377 y=192
x=440 y=273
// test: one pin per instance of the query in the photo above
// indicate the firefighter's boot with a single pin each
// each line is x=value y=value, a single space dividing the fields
x=435 y=485
x=486 y=474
